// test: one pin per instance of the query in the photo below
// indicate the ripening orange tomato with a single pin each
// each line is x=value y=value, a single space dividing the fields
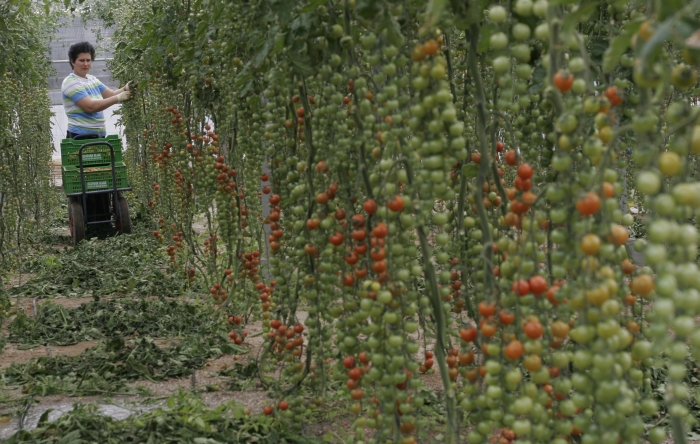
x=589 y=204
x=506 y=317
x=590 y=244
x=619 y=234
x=396 y=204
x=533 y=329
x=532 y=363
x=488 y=329
x=486 y=309
x=431 y=47
x=514 y=349
x=564 y=81
x=613 y=95
x=642 y=284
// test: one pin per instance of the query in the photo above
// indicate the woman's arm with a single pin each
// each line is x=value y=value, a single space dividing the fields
x=92 y=106
x=107 y=93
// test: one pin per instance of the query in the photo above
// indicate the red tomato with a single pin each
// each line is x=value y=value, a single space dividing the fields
x=538 y=285
x=396 y=204
x=370 y=206
x=521 y=287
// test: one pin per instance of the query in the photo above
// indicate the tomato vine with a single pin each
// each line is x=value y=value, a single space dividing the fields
x=386 y=165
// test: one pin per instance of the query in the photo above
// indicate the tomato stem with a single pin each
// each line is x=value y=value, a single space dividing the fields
x=486 y=238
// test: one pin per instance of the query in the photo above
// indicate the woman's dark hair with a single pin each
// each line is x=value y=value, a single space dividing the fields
x=79 y=48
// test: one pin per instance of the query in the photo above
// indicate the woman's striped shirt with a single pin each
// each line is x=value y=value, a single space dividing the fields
x=74 y=89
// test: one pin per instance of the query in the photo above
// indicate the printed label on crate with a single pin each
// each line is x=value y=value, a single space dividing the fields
x=93 y=185
x=92 y=156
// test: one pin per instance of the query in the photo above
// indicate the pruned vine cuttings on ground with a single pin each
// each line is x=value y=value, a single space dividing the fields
x=110 y=366
x=183 y=418
x=117 y=266
x=56 y=325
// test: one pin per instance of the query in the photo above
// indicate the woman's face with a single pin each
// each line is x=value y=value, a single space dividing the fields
x=82 y=64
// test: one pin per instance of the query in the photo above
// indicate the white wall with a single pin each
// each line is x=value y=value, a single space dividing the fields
x=59 y=124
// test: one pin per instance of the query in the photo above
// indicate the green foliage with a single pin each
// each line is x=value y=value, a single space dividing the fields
x=25 y=128
x=242 y=376
x=56 y=325
x=107 y=368
x=184 y=419
x=123 y=265
x=660 y=385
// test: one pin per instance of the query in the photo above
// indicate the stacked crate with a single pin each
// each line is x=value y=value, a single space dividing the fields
x=96 y=165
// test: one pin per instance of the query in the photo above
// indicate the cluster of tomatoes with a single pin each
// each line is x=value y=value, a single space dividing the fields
x=520 y=196
x=178 y=245
x=276 y=231
x=286 y=338
x=250 y=262
x=210 y=245
x=554 y=341
x=237 y=337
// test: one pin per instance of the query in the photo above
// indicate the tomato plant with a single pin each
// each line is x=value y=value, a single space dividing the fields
x=400 y=172
x=26 y=192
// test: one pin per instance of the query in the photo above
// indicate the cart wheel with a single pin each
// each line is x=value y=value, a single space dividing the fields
x=124 y=221
x=75 y=219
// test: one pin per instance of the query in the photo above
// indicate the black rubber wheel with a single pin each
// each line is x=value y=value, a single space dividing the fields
x=124 y=220
x=75 y=220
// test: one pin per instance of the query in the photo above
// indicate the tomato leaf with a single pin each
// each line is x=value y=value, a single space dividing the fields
x=392 y=28
x=669 y=7
x=313 y=4
x=538 y=76
x=484 y=35
x=434 y=11
x=619 y=45
x=368 y=8
x=581 y=14
x=664 y=32
x=262 y=54
x=470 y=170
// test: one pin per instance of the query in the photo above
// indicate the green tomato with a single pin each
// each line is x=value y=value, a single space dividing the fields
x=648 y=182
x=523 y=8
x=542 y=32
x=567 y=123
x=497 y=14
x=368 y=40
x=521 y=52
x=579 y=86
x=501 y=64
x=523 y=71
x=540 y=8
x=521 y=31
x=498 y=41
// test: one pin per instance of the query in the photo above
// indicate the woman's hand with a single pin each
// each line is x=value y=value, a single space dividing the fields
x=122 y=96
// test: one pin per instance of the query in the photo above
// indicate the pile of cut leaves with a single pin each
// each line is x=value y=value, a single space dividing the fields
x=185 y=419
x=659 y=386
x=131 y=264
x=56 y=325
x=109 y=367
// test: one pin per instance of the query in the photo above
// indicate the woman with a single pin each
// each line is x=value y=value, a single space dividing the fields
x=85 y=97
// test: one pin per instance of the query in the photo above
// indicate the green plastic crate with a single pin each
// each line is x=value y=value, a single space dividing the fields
x=92 y=155
x=96 y=178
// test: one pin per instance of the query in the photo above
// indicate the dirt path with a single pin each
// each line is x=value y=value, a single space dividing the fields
x=11 y=354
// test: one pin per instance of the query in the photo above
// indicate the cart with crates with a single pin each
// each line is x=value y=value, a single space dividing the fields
x=94 y=180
